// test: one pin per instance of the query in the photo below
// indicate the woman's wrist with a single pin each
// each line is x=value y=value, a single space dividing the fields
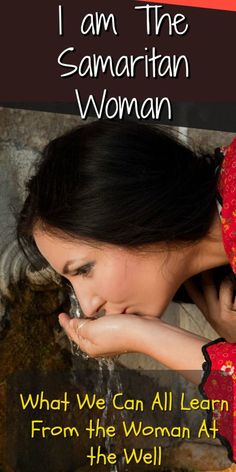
x=171 y=346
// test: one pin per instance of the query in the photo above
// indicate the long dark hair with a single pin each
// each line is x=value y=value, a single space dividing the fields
x=123 y=183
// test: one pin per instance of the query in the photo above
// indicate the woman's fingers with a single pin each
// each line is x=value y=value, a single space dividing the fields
x=74 y=328
x=67 y=324
x=63 y=319
x=219 y=308
x=210 y=291
x=78 y=331
x=226 y=295
x=196 y=295
x=206 y=298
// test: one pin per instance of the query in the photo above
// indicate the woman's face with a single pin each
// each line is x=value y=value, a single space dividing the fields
x=113 y=278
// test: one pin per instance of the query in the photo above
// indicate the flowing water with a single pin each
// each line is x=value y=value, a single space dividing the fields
x=108 y=379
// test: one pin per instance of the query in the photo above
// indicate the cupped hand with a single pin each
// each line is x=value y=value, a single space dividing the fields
x=105 y=336
x=218 y=307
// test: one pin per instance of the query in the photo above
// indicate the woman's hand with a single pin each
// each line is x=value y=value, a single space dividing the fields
x=218 y=308
x=174 y=347
x=105 y=336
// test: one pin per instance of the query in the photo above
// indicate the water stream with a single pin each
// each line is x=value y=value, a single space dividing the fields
x=108 y=380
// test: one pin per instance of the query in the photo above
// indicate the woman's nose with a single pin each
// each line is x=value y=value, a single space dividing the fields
x=90 y=304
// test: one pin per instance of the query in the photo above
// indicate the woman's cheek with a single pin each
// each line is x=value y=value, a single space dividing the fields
x=113 y=287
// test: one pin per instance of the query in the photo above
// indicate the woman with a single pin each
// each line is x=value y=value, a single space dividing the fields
x=128 y=214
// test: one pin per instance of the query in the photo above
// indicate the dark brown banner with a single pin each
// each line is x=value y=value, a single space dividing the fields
x=166 y=63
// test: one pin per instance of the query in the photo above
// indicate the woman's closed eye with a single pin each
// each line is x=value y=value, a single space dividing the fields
x=84 y=270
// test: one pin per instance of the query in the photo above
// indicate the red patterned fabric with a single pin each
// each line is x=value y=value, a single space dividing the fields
x=227 y=190
x=219 y=381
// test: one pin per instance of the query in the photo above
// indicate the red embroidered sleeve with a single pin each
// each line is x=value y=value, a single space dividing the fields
x=227 y=190
x=219 y=380
x=219 y=386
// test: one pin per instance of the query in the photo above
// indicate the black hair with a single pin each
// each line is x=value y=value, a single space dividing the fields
x=123 y=183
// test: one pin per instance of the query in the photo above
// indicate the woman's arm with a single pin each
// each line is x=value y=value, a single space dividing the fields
x=174 y=347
